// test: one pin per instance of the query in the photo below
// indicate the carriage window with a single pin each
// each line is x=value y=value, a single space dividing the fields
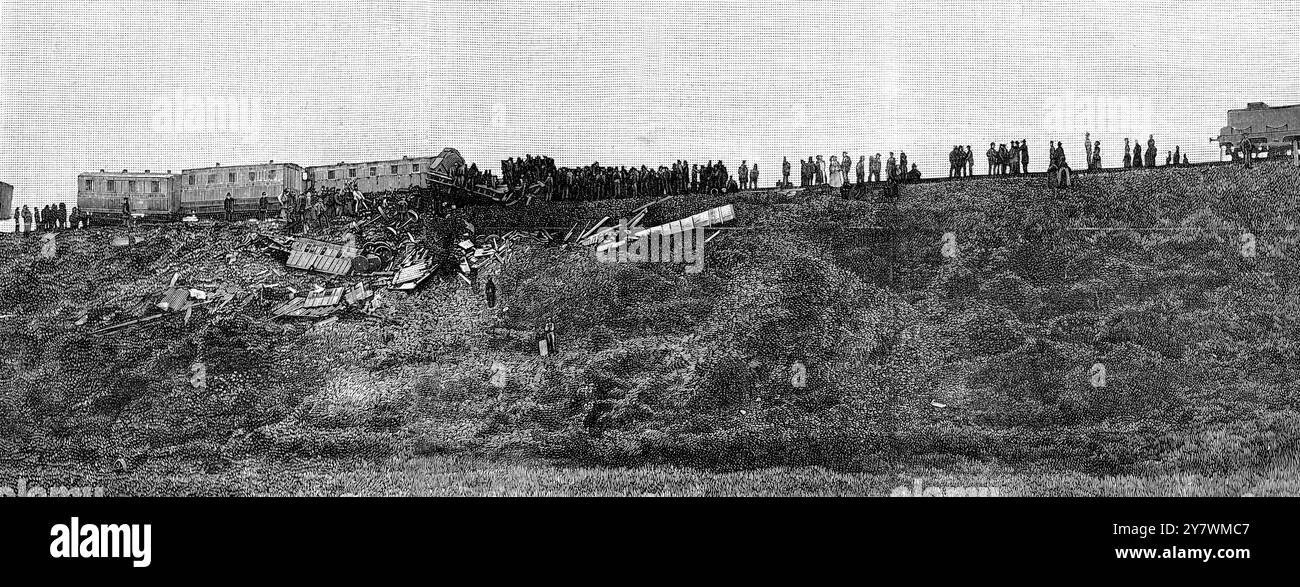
x=230 y=177
x=212 y=178
x=130 y=187
x=331 y=174
x=154 y=187
x=252 y=176
x=352 y=172
x=270 y=174
x=111 y=185
x=373 y=171
x=191 y=180
x=393 y=169
x=415 y=168
x=90 y=185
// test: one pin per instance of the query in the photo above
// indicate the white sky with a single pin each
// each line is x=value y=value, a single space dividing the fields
x=85 y=86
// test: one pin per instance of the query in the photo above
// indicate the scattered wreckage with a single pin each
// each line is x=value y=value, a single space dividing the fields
x=358 y=258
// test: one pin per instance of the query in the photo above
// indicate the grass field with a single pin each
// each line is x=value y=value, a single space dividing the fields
x=458 y=475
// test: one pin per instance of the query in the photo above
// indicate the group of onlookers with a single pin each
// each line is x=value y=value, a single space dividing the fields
x=49 y=217
x=539 y=176
x=841 y=170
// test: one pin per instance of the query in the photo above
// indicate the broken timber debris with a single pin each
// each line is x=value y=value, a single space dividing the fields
x=704 y=219
x=322 y=256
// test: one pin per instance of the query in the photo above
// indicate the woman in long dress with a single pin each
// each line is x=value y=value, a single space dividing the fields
x=837 y=178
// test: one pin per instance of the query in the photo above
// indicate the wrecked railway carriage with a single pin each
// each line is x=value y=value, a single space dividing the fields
x=202 y=191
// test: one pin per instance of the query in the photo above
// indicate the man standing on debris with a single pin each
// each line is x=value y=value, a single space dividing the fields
x=27 y=219
x=785 y=172
x=126 y=212
x=862 y=169
x=1151 y=151
x=74 y=218
x=262 y=206
x=891 y=167
x=229 y=206
x=744 y=174
x=318 y=214
x=753 y=176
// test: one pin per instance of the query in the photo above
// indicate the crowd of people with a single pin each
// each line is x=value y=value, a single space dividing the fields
x=48 y=218
x=841 y=170
x=1006 y=161
x=540 y=176
x=1136 y=157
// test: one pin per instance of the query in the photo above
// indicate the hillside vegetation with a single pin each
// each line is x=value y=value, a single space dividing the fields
x=657 y=367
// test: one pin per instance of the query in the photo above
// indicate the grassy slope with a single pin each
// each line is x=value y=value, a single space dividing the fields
x=1202 y=374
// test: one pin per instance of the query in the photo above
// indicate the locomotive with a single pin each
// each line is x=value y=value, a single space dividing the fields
x=1269 y=129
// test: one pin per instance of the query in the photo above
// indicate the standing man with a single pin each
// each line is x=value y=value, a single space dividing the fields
x=785 y=172
x=1024 y=155
x=753 y=176
x=27 y=219
x=891 y=167
x=846 y=163
x=1247 y=151
x=1151 y=151
x=970 y=161
x=744 y=174
x=1096 y=155
x=263 y=205
x=992 y=154
x=862 y=168
x=229 y=206
x=1087 y=149
x=902 y=164
x=126 y=212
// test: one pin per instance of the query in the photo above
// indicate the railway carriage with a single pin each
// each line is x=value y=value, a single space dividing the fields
x=1274 y=130
x=153 y=195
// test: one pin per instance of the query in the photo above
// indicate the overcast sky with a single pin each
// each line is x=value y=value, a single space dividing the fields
x=172 y=85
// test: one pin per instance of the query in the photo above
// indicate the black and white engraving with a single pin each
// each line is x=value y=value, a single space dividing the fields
x=525 y=248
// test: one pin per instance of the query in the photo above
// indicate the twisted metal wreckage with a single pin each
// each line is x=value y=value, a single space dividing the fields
x=383 y=251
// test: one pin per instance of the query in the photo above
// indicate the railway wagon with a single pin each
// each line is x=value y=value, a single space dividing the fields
x=1274 y=130
x=204 y=190
x=379 y=176
x=155 y=195
x=6 y=201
